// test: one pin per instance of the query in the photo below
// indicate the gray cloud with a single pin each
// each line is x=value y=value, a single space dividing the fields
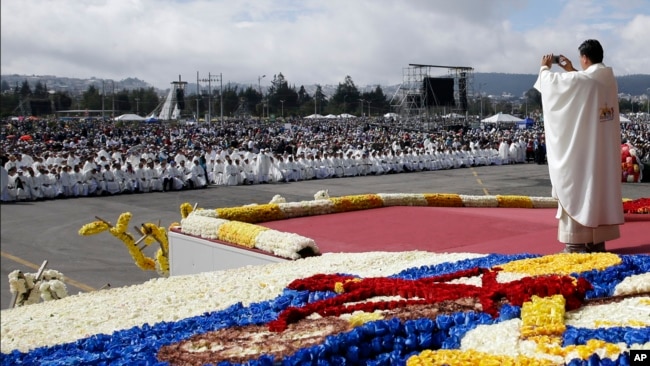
x=308 y=41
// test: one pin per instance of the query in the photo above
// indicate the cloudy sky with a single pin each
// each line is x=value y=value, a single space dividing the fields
x=311 y=41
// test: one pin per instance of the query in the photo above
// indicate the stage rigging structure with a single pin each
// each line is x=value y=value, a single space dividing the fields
x=173 y=104
x=428 y=94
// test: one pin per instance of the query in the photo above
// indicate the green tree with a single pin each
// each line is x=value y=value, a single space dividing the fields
x=4 y=86
x=25 y=90
x=319 y=101
x=345 y=97
x=281 y=97
x=376 y=102
x=40 y=90
x=91 y=99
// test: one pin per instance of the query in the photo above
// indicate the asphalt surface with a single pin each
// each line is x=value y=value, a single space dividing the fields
x=32 y=232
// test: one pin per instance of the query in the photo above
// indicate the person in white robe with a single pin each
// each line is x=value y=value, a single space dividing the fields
x=17 y=185
x=34 y=185
x=231 y=172
x=308 y=166
x=66 y=181
x=209 y=169
x=4 y=184
x=262 y=167
x=130 y=179
x=112 y=185
x=144 y=185
x=583 y=147
x=197 y=175
x=177 y=177
x=80 y=185
x=218 y=171
x=504 y=151
x=151 y=175
x=249 y=172
x=95 y=183
x=120 y=178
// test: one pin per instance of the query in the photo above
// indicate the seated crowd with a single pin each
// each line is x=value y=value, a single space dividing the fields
x=62 y=163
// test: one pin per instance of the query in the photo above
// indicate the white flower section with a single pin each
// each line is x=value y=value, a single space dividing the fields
x=403 y=199
x=322 y=195
x=544 y=202
x=634 y=285
x=204 y=212
x=286 y=245
x=179 y=297
x=479 y=201
x=632 y=311
x=306 y=208
x=278 y=199
x=203 y=226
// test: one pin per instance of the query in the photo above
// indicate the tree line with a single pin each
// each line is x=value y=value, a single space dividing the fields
x=280 y=99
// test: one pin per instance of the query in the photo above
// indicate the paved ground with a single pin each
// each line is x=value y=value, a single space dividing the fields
x=37 y=231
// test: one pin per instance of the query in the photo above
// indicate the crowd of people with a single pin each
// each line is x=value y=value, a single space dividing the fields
x=48 y=159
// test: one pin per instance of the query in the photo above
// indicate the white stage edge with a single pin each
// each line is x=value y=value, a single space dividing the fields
x=191 y=255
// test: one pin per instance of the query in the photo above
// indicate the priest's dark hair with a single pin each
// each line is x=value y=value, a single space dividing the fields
x=593 y=50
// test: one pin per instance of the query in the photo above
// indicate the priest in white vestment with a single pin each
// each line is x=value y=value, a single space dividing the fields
x=583 y=144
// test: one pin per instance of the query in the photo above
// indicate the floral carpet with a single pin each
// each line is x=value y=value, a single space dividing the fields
x=414 y=308
x=373 y=308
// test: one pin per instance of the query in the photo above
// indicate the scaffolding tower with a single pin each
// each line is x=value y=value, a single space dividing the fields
x=413 y=99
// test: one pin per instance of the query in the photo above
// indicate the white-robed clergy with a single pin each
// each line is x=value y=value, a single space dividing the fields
x=263 y=165
x=197 y=175
x=583 y=143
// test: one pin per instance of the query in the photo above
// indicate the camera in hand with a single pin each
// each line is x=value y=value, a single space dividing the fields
x=556 y=59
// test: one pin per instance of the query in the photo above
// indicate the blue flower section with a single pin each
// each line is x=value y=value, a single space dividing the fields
x=386 y=342
x=627 y=335
x=139 y=345
x=488 y=261
x=604 y=282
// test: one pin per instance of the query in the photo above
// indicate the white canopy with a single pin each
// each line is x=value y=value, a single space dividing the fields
x=346 y=115
x=314 y=116
x=624 y=119
x=502 y=118
x=390 y=115
x=330 y=116
x=129 y=117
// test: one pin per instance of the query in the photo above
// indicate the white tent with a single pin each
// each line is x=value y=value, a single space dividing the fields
x=314 y=116
x=129 y=117
x=502 y=118
x=330 y=116
x=346 y=115
x=390 y=115
x=624 y=119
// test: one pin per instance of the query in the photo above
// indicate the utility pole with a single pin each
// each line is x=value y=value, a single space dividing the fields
x=210 y=79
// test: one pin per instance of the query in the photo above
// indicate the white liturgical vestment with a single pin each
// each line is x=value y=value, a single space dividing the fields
x=583 y=143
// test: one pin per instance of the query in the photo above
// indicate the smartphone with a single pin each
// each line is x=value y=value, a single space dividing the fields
x=556 y=59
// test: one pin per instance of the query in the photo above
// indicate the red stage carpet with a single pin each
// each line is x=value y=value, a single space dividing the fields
x=441 y=229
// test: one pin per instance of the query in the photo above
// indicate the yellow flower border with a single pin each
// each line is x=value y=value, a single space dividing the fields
x=275 y=211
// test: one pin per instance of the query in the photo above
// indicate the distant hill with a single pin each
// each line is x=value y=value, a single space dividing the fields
x=495 y=84
x=517 y=84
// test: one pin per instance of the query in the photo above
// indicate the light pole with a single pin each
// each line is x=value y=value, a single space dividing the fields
x=480 y=95
x=282 y=102
x=221 y=97
x=647 y=102
x=362 y=100
x=369 y=108
x=103 y=95
x=259 y=87
x=210 y=79
x=137 y=106
x=113 y=100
